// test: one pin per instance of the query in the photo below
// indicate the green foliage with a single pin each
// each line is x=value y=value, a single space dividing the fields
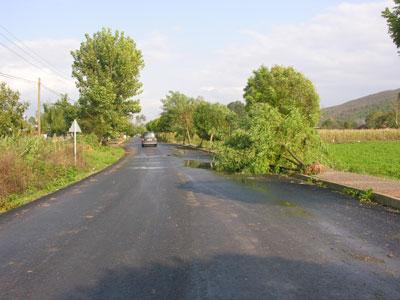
x=211 y=120
x=335 y=124
x=134 y=129
x=11 y=111
x=238 y=108
x=379 y=158
x=393 y=20
x=272 y=140
x=33 y=166
x=378 y=119
x=58 y=117
x=283 y=88
x=154 y=125
x=240 y=117
x=237 y=154
x=365 y=196
x=107 y=68
x=282 y=109
x=177 y=115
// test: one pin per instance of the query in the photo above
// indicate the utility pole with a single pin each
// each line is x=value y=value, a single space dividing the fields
x=38 y=109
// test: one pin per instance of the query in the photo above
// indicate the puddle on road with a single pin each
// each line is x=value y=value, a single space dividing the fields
x=259 y=185
x=178 y=152
x=293 y=210
x=286 y=203
x=198 y=164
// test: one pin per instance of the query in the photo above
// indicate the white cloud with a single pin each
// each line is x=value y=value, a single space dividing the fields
x=55 y=52
x=156 y=47
x=345 y=50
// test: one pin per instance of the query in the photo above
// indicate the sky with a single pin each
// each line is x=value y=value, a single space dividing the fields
x=205 y=48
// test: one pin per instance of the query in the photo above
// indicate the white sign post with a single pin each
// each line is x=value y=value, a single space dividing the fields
x=75 y=129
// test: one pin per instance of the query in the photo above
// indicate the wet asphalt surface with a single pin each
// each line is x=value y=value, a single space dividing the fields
x=152 y=228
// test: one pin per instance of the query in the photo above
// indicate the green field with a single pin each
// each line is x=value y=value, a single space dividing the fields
x=381 y=158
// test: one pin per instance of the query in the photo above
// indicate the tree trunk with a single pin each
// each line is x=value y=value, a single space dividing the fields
x=188 y=135
x=211 y=140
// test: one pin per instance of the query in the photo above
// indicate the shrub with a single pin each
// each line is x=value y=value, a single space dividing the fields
x=273 y=141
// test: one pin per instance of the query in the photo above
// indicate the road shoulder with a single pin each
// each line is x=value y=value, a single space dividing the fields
x=384 y=191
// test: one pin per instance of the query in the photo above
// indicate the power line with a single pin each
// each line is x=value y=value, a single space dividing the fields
x=52 y=91
x=31 y=53
x=9 y=76
x=20 y=56
x=16 y=77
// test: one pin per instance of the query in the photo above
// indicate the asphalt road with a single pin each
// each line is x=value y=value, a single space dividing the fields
x=152 y=228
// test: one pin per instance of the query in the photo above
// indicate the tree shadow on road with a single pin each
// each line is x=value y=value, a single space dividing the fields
x=232 y=276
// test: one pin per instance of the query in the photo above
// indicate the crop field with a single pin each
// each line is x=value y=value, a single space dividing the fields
x=381 y=158
x=358 y=135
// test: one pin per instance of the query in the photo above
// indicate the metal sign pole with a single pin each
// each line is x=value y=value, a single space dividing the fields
x=75 y=146
x=75 y=129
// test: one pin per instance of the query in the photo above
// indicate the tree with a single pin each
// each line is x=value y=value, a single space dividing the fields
x=211 y=120
x=393 y=20
x=283 y=88
x=379 y=119
x=239 y=117
x=11 y=111
x=153 y=125
x=283 y=110
x=177 y=114
x=106 y=68
x=58 y=117
x=139 y=119
x=330 y=124
x=237 y=107
x=396 y=111
x=273 y=141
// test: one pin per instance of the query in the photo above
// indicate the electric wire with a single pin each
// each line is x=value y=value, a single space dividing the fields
x=31 y=53
x=9 y=76
x=16 y=77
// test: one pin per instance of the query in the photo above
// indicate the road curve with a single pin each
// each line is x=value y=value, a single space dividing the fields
x=152 y=228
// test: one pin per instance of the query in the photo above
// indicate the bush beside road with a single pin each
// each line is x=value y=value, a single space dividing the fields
x=31 y=167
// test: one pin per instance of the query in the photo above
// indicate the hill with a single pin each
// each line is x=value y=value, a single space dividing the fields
x=356 y=110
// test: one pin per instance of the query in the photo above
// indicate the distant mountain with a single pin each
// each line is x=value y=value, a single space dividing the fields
x=356 y=110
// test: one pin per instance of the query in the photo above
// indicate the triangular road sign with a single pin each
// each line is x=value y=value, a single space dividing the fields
x=75 y=127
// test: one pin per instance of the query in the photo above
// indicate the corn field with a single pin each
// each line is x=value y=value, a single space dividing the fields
x=358 y=135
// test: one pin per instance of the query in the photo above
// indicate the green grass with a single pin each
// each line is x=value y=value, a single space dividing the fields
x=38 y=174
x=380 y=158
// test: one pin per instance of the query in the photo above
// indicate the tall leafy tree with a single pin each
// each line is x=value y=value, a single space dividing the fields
x=106 y=68
x=237 y=107
x=11 y=111
x=272 y=141
x=239 y=117
x=393 y=20
x=283 y=110
x=283 y=88
x=58 y=117
x=379 y=119
x=177 y=115
x=211 y=120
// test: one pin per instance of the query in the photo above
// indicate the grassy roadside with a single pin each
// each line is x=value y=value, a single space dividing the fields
x=379 y=158
x=31 y=167
x=373 y=152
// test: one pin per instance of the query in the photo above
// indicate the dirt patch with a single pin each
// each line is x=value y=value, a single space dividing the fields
x=380 y=185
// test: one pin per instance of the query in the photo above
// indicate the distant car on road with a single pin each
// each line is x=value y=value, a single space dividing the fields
x=149 y=139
